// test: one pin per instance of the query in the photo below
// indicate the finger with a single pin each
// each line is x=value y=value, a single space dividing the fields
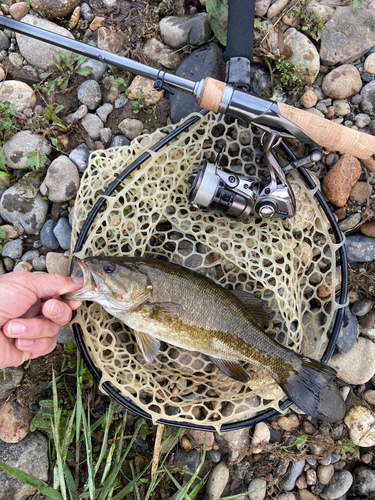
x=47 y=285
x=33 y=328
x=73 y=304
x=34 y=310
x=57 y=311
x=35 y=348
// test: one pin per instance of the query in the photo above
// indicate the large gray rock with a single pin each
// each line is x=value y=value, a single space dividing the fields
x=360 y=248
x=31 y=214
x=159 y=54
x=39 y=54
x=17 y=93
x=62 y=180
x=178 y=31
x=347 y=36
x=29 y=455
x=20 y=145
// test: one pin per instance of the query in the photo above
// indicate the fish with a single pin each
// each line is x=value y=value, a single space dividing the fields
x=162 y=301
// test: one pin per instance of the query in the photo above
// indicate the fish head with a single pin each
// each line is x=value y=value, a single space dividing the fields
x=110 y=283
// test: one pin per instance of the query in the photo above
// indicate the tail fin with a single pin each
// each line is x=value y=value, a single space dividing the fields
x=304 y=386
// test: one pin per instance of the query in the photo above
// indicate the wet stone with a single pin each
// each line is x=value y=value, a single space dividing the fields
x=62 y=232
x=47 y=237
x=80 y=157
x=12 y=249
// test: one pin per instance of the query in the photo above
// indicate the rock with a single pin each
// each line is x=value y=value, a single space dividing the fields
x=24 y=267
x=304 y=54
x=18 y=147
x=369 y=64
x=369 y=396
x=368 y=320
x=39 y=54
x=325 y=473
x=261 y=7
x=4 y=41
x=361 y=307
x=97 y=22
x=104 y=111
x=98 y=68
x=339 y=485
x=361 y=191
x=110 y=40
x=120 y=102
x=306 y=495
x=200 y=436
x=62 y=180
x=47 y=237
x=341 y=107
x=57 y=263
x=30 y=456
x=286 y=496
x=14 y=422
x=39 y=263
x=214 y=456
x=339 y=181
x=261 y=436
x=295 y=472
x=18 y=10
x=9 y=231
x=301 y=482
x=118 y=141
x=288 y=422
x=80 y=157
x=10 y=378
x=308 y=98
x=105 y=135
x=357 y=366
x=359 y=248
x=368 y=101
x=348 y=333
x=311 y=477
x=157 y=54
x=276 y=8
x=86 y=12
x=346 y=37
x=12 y=249
x=236 y=441
x=53 y=9
x=360 y=423
x=364 y=481
x=75 y=18
x=93 y=125
x=62 y=232
x=17 y=93
x=8 y=263
x=351 y=222
x=77 y=115
x=145 y=88
x=178 y=31
x=342 y=82
x=362 y=120
x=31 y=214
x=217 y=482
x=368 y=229
x=16 y=60
x=201 y=63
x=260 y=81
x=332 y=407
x=89 y=94
x=131 y=128
x=257 y=488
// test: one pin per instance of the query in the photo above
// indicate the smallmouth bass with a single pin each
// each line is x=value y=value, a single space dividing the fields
x=161 y=301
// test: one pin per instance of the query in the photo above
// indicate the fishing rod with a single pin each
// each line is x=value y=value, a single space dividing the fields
x=224 y=98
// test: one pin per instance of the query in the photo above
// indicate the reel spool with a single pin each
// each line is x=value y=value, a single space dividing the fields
x=290 y=264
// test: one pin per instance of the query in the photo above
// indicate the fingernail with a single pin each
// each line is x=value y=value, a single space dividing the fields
x=16 y=328
x=77 y=280
x=25 y=342
x=56 y=309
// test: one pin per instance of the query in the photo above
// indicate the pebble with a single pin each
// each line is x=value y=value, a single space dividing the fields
x=62 y=180
x=360 y=423
x=325 y=473
x=260 y=81
x=311 y=477
x=53 y=9
x=295 y=472
x=80 y=157
x=346 y=37
x=331 y=407
x=236 y=441
x=97 y=22
x=217 y=482
x=31 y=214
x=365 y=481
x=308 y=427
x=118 y=141
x=57 y=263
x=14 y=422
x=288 y=422
x=351 y=222
x=120 y=102
x=200 y=436
x=214 y=456
x=276 y=8
x=368 y=105
x=178 y=31
x=368 y=320
x=17 y=148
x=77 y=115
x=16 y=60
x=342 y=82
x=75 y=18
x=47 y=237
x=86 y=12
x=339 y=181
x=359 y=248
x=4 y=41
x=301 y=482
x=361 y=307
x=348 y=333
x=10 y=378
x=308 y=99
x=261 y=7
x=9 y=231
x=306 y=495
x=261 y=436
x=131 y=128
x=104 y=111
x=8 y=263
x=30 y=255
x=339 y=485
x=257 y=488
x=39 y=54
x=157 y=53
x=24 y=267
x=144 y=87
x=93 y=125
x=357 y=366
x=368 y=229
x=362 y=120
x=89 y=94
x=341 y=107
x=369 y=396
x=17 y=93
x=39 y=263
x=30 y=456
x=361 y=191
x=304 y=54
x=105 y=135
x=62 y=232
x=369 y=64
x=12 y=249
x=286 y=496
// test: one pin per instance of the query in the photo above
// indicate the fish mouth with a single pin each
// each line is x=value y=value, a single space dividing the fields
x=82 y=269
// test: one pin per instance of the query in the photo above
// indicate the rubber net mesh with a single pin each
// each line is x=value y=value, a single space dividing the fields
x=290 y=264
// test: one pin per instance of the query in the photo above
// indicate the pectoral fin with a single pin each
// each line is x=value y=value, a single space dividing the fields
x=148 y=345
x=260 y=311
x=232 y=369
x=165 y=312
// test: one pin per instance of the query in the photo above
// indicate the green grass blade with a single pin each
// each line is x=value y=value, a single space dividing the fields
x=241 y=494
x=90 y=470
x=184 y=491
x=129 y=487
x=105 y=437
x=108 y=462
x=32 y=481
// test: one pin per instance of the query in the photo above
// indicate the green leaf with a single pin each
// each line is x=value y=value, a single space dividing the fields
x=85 y=71
x=36 y=159
x=300 y=440
x=59 y=108
x=34 y=482
x=69 y=346
x=5 y=174
x=219 y=19
x=356 y=5
x=3 y=236
x=54 y=118
x=257 y=24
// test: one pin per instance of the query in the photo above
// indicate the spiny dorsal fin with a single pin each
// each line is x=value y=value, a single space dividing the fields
x=148 y=345
x=258 y=308
x=232 y=369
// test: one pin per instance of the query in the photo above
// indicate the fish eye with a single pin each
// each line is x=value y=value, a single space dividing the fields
x=108 y=269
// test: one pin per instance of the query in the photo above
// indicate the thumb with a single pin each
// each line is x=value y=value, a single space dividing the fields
x=48 y=285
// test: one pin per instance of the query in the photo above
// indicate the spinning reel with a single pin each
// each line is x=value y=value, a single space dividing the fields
x=240 y=197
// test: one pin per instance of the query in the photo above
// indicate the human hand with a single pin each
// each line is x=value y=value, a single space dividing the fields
x=31 y=313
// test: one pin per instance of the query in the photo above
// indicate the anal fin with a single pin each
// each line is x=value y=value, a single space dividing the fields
x=232 y=369
x=148 y=345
